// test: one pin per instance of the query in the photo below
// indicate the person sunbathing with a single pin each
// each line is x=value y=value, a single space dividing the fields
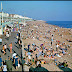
x=64 y=64
x=58 y=55
x=69 y=40
x=48 y=52
x=50 y=56
x=61 y=54
x=47 y=56
x=64 y=52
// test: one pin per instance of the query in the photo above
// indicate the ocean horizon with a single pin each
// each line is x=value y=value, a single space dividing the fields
x=63 y=24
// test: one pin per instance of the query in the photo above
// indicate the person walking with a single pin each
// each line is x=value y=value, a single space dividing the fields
x=13 y=56
x=19 y=44
x=0 y=62
x=17 y=37
x=10 y=47
x=16 y=62
x=23 y=61
x=19 y=32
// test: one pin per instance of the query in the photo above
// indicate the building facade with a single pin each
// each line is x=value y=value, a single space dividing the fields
x=4 y=14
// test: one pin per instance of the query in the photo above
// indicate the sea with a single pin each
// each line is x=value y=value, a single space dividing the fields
x=63 y=24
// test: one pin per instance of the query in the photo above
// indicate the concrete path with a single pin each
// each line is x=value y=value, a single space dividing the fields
x=12 y=39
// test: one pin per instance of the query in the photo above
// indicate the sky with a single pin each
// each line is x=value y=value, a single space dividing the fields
x=40 y=10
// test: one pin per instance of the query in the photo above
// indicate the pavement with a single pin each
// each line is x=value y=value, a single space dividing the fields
x=12 y=39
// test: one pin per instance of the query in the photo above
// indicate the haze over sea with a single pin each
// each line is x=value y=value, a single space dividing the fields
x=64 y=24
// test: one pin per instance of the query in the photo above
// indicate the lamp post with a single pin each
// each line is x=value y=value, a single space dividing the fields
x=18 y=23
x=2 y=18
x=21 y=43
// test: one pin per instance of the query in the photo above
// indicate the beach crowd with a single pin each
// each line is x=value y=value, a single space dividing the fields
x=43 y=44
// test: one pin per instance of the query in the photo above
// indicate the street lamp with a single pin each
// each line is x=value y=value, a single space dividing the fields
x=2 y=18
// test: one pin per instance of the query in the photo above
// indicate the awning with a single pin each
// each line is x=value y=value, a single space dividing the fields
x=10 y=25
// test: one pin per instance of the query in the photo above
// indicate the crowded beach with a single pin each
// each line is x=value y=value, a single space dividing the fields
x=44 y=47
x=47 y=45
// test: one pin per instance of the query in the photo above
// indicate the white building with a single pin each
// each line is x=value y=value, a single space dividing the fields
x=4 y=14
x=17 y=16
x=13 y=15
x=26 y=17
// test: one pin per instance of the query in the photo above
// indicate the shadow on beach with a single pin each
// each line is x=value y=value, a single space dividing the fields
x=38 y=69
x=65 y=69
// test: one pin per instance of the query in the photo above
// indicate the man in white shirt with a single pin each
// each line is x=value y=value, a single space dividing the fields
x=14 y=55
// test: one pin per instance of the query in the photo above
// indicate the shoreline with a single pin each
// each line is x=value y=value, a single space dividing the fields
x=56 y=25
x=52 y=24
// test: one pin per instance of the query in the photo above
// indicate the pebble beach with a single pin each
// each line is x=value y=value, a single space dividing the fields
x=40 y=32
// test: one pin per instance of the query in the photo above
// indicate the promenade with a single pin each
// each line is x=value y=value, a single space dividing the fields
x=12 y=39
